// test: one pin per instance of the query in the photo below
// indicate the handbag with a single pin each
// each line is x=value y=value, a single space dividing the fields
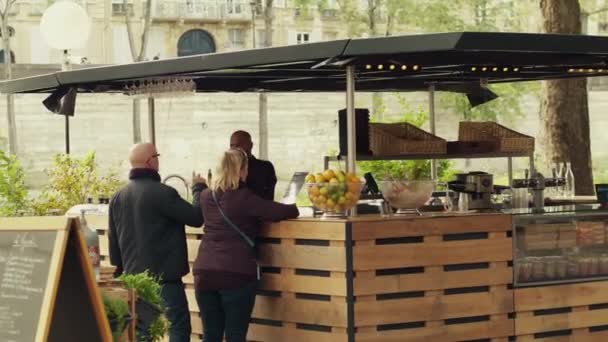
x=238 y=230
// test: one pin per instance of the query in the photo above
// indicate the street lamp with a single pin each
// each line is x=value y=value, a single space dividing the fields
x=65 y=25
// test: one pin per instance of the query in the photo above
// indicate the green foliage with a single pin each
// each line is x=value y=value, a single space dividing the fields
x=506 y=107
x=116 y=310
x=71 y=181
x=158 y=328
x=13 y=193
x=148 y=288
x=406 y=169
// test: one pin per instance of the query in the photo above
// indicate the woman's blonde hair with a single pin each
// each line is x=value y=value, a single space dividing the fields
x=228 y=172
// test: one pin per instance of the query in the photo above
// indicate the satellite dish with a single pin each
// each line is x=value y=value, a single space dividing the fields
x=65 y=25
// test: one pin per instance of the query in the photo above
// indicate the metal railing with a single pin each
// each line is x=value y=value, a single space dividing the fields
x=202 y=9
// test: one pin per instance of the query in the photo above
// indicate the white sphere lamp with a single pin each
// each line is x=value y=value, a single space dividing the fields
x=65 y=25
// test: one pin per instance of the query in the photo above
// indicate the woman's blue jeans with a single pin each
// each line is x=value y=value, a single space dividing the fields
x=226 y=312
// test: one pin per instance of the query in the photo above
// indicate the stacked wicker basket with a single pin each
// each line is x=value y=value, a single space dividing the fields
x=402 y=138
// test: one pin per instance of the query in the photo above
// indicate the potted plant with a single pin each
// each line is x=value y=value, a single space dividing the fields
x=117 y=311
x=151 y=321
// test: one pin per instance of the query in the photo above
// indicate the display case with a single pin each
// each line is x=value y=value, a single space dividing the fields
x=564 y=246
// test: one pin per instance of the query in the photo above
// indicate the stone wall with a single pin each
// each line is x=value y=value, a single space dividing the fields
x=192 y=131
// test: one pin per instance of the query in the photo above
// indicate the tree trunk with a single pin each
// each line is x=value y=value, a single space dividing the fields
x=8 y=74
x=138 y=56
x=564 y=110
x=263 y=97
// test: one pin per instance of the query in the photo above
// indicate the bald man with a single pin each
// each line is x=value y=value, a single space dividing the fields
x=261 y=178
x=147 y=232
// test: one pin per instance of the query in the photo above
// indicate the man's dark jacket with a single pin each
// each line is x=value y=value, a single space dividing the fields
x=147 y=230
x=261 y=178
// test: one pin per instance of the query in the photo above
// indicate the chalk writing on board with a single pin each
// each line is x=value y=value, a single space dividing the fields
x=23 y=241
x=24 y=268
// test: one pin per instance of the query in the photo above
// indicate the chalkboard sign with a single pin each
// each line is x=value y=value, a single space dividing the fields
x=25 y=258
x=47 y=284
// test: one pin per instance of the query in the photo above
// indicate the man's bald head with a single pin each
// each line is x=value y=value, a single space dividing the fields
x=242 y=140
x=144 y=156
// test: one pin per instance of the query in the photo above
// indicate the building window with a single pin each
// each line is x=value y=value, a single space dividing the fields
x=236 y=37
x=260 y=38
x=302 y=37
x=2 y=56
x=118 y=7
x=195 y=42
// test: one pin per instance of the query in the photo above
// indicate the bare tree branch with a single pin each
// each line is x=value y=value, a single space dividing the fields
x=145 y=35
x=129 y=30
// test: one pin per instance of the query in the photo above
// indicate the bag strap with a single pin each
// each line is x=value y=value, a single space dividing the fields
x=232 y=225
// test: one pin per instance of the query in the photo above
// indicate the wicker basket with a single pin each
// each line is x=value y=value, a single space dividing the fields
x=403 y=138
x=505 y=139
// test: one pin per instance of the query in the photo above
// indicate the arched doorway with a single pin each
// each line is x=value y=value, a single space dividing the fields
x=2 y=56
x=195 y=42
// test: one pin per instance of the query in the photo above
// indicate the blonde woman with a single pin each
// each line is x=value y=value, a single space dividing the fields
x=225 y=270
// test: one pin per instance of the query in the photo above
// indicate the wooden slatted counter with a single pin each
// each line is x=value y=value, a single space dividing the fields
x=432 y=278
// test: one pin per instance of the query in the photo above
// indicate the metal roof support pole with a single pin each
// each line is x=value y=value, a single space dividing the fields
x=432 y=122
x=66 y=66
x=350 y=125
x=151 y=121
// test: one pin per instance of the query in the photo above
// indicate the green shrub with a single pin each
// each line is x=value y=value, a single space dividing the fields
x=71 y=182
x=149 y=289
x=116 y=309
x=13 y=192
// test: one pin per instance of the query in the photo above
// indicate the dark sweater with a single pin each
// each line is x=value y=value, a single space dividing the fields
x=146 y=227
x=261 y=178
x=225 y=260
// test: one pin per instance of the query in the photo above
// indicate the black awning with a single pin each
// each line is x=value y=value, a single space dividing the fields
x=451 y=61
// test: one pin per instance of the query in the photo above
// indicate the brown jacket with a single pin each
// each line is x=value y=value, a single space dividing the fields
x=224 y=259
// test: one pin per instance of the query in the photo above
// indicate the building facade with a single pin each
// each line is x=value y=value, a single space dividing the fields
x=179 y=27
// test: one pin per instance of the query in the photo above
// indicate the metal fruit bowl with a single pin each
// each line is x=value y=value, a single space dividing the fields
x=407 y=196
x=334 y=199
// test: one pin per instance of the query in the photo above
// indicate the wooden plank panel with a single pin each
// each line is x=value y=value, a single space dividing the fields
x=290 y=310
x=192 y=249
x=560 y=296
x=432 y=280
x=301 y=311
x=197 y=324
x=307 y=257
x=419 y=226
x=98 y=222
x=442 y=333
x=431 y=254
x=433 y=308
x=333 y=286
x=104 y=249
x=295 y=229
x=265 y=333
x=571 y=320
x=585 y=336
x=192 y=305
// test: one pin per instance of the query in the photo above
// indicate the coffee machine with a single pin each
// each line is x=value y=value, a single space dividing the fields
x=475 y=188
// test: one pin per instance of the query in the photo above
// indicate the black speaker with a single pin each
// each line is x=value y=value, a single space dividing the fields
x=361 y=131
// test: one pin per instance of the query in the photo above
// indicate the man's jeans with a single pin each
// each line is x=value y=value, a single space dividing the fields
x=226 y=311
x=177 y=312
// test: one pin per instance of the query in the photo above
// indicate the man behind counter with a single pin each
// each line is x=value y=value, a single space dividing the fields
x=261 y=178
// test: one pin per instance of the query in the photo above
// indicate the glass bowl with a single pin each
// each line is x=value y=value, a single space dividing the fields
x=407 y=196
x=334 y=198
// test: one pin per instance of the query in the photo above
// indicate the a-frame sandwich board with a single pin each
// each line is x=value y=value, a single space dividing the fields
x=48 y=290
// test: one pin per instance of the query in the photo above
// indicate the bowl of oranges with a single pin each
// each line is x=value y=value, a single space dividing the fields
x=333 y=191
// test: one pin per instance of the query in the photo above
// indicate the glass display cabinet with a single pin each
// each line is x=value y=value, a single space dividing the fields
x=564 y=246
